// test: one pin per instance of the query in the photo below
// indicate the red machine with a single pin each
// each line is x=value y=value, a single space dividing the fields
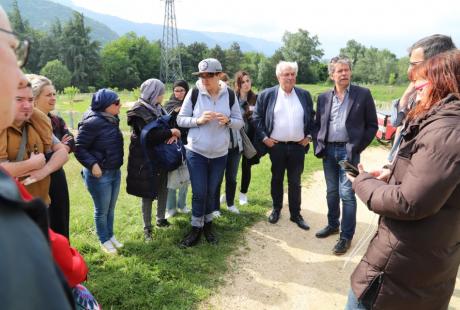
x=386 y=132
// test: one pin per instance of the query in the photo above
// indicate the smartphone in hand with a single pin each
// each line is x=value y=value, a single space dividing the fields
x=349 y=168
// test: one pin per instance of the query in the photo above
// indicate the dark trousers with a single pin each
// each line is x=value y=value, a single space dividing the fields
x=290 y=158
x=59 y=207
x=245 y=175
x=231 y=170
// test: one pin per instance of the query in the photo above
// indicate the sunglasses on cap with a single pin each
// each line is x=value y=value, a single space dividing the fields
x=207 y=75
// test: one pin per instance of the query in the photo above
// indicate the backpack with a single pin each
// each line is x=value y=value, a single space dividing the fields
x=231 y=95
x=165 y=156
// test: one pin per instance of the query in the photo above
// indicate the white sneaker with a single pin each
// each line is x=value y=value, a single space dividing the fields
x=185 y=210
x=222 y=198
x=116 y=243
x=243 y=199
x=216 y=214
x=233 y=209
x=108 y=247
x=170 y=213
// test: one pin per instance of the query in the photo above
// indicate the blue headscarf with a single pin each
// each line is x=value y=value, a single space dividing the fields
x=102 y=99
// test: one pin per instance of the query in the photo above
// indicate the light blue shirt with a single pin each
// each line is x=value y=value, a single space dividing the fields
x=337 y=130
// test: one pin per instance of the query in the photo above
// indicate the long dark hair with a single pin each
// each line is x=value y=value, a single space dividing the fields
x=239 y=81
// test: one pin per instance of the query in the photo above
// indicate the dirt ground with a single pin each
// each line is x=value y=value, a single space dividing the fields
x=284 y=267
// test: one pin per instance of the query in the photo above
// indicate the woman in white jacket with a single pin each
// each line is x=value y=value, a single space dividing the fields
x=208 y=117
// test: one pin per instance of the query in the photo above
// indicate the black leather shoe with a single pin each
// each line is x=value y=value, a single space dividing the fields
x=163 y=223
x=209 y=234
x=192 y=238
x=326 y=232
x=300 y=222
x=341 y=247
x=274 y=216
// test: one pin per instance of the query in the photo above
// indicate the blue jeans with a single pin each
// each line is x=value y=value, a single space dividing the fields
x=231 y=170
x=205 y=175
x=339 y=187
x=104 y=191
x=352 y=302
x=179 y=201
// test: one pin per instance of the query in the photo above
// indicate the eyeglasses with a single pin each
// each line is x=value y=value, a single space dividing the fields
x=179 y=90
x=207 y=75
x=117 y=102
x=421 y=86
x=21 y=50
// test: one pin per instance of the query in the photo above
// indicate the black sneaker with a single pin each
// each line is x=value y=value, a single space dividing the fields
x=163 y=223
x=148 y=235
x=342 y=246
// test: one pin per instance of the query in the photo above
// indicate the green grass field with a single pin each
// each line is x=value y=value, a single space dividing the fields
x=159 y=275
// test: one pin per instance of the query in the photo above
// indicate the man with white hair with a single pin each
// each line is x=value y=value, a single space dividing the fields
x=283 y=119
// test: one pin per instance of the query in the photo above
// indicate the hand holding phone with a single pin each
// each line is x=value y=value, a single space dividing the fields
x=349 y=168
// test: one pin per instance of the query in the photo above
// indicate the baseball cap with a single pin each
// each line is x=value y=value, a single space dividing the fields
x=208 y=65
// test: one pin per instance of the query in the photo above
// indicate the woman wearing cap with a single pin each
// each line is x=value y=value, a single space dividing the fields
x=207 y=144
x=141 y=181
x=99 y=148
x=177 y=202
x=45 y=100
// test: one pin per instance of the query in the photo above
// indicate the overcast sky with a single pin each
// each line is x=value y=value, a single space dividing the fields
x=390 y=23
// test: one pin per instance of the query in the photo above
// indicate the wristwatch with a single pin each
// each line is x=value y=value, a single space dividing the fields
x=228 y=123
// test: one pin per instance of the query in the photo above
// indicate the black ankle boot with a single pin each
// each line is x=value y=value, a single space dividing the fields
x=209 y=234
x=192 y=238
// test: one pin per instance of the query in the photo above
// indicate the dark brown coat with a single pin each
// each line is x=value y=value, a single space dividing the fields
x=413 y=259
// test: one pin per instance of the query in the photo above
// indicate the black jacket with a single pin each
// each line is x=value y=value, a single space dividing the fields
x=99 y=141
x=262 y=117
x=361 y=122
x=141 y=181
x=170 y=106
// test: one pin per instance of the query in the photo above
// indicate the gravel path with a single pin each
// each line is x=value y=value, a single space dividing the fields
x=284 y=267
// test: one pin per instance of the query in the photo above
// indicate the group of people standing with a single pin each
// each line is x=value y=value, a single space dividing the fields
x=207 y=119
x=413 y=259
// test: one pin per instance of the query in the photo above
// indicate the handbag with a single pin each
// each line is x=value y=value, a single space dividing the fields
x=249 y=151
x=179 y=177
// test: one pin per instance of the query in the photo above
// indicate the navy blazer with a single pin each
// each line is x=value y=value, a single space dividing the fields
x=361 y=122
x=263 y=117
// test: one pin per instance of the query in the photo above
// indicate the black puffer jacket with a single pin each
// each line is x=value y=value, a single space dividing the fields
x=100 y=141
x=141 y=180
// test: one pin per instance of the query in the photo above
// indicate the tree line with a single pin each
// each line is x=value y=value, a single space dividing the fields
x=68 y=56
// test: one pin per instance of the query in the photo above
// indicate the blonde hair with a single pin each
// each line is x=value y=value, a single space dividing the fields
x=38 y=82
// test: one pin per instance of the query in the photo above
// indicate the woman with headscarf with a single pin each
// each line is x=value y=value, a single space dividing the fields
x=99 y=148
x=141 y=180
x=176 y=202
